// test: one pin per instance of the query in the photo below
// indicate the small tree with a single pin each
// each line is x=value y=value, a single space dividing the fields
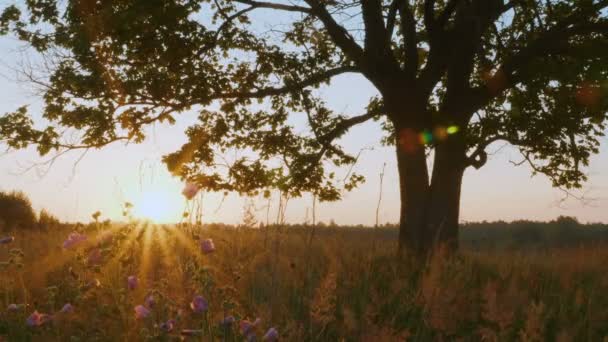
x=46 y=219
x=249 y=217
x=16 y=210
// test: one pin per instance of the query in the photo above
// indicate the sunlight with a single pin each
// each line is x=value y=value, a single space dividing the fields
x=158 y=206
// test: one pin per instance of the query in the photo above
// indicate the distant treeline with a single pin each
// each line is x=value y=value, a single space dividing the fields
x=564 y=231
x=523 y=234
x=16 y=213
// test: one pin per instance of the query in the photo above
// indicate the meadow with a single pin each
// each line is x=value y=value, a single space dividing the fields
x=138 y=281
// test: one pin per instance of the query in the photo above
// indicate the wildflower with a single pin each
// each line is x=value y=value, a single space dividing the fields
x=12 y=307
x=141 y=312
x=94 y=257
x=132 y=282
x=33 y=319
x=7 y=240
x=104 y=237
x=271 y=335
x=73 y=240
x=190 y=190
x=247 y=327
x=67 y=308
x=167 y=326
x=227 y=321
x=191 y=332
x=207 y=246
x=199 y=304
x=150 y=301
x=37 y=319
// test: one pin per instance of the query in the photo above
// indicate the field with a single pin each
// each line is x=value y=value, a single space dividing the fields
x=338 y=284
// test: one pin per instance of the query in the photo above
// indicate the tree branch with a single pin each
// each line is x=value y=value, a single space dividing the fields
x=376 y=40
x=275 y=6
x=550 y=42
x=479 y=157
x=287 y=88
x=408 y=28
x=338 y=33
x=429 y=17
x=392 y=17
x=447 y=12
x=327 y=139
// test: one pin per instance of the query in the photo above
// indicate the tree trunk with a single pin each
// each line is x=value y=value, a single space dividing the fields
x=414 y=190
x=446 y=183
x=429 y=209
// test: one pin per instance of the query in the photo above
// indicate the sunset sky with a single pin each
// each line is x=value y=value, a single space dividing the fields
x=74 y=187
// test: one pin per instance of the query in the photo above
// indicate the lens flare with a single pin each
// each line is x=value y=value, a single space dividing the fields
x=452 y=129
x=158 y=206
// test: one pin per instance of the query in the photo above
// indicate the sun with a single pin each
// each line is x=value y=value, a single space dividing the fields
x=158 y=206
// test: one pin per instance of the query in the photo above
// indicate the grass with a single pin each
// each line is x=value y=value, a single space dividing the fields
x=344 y=286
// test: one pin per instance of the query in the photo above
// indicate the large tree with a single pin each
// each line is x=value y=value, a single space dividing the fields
x=453 y=77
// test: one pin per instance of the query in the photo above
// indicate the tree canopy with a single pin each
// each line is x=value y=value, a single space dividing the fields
x=532 y=73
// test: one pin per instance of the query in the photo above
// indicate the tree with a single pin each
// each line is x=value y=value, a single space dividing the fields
x=16 y=210
x=46 y=219
x=453 y=76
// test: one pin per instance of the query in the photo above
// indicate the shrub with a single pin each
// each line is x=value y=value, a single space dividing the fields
x=16 y=210
x=46 y=219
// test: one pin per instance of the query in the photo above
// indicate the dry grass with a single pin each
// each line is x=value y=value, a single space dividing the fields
x=346 y=286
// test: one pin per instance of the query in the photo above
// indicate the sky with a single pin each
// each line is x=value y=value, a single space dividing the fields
x=76 y=185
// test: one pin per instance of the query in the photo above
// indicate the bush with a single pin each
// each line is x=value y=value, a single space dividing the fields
x=46 y=219
x=16 y=210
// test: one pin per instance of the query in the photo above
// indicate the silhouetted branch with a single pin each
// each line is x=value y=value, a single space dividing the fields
x=275 y=6
x=554 y=40
x=392 y=17
x=287 y=88
x=338 y=33
x=408 y=29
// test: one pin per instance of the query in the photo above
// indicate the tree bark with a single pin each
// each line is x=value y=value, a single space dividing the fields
x=429 y=209
x=414 y=191
x=446 y=184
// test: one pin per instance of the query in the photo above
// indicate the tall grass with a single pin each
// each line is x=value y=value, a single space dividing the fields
x=343 y=285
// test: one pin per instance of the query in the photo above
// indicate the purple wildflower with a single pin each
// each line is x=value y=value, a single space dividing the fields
x=67 y=308
x=141 y=312
x=94 y=257
x=247 y=327
x=190 y=190
x=73 y=239
x=199 y=304
x=7 y=240
x=167 y=326
x=207 y=246
x=150 y=301
x=227 y=321
x=104 y=237
x=132 y=282
x=37 y=319
x=271 y=335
